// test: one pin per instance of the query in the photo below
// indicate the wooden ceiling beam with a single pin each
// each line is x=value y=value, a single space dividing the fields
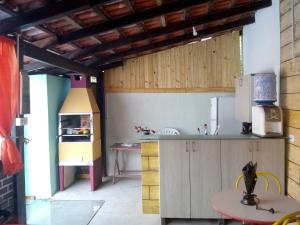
x=129 y=5
x=49 y=71
x=44 y=14
x=37 y=68
x=128 y=20
x=13 y=14
x=110 y=65
x=105 y=17
x=176 y=27
x=76 y=24
x=162 y=18
x=176 y=40
x=33 y=66
x=56 y=60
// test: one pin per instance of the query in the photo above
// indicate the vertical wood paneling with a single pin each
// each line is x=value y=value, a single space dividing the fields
x=204 y=66
x=290 y=90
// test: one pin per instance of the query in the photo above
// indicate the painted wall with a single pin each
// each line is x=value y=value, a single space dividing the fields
x=185 y=111
x=36 y=152
x=58 y=89
x=261 y=42
x=46 y=96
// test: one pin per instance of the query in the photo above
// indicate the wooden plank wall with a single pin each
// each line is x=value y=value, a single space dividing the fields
x=290 y=89
x=200 y=67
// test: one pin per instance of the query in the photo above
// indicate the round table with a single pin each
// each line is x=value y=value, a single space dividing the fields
x=227 y=203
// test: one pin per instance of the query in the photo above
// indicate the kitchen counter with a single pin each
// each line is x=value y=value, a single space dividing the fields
x=234 y=151
x=201 y=137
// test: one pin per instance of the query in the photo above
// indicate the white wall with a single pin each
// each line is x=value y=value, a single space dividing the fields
x=261 y=42
x=37 y=164
x=185 y=111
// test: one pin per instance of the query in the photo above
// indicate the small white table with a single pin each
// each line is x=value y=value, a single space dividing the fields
x=227 y=203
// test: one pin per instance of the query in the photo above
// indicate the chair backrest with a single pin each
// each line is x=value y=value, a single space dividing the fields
x=170 y=131
x=289 y=219
x=265 y=176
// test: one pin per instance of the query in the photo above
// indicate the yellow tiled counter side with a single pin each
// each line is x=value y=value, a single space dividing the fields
x=150 y=177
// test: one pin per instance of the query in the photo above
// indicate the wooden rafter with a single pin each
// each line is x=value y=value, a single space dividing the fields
x=176 y=27
x=176 y=40
x=143 y=16
x=56 y=60
x=130 y=19
x=110 y=65
x=44 y=14
x=162 y=17
x=13 y=14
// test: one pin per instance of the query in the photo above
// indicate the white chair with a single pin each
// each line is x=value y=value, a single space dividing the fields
x=169 y=131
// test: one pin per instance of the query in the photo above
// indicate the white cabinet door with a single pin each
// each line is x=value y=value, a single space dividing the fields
x=235 y=154
x=270 y=157
x=175 y=192
x=205 y=176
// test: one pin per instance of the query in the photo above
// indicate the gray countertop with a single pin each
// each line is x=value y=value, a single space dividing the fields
x=200 y=137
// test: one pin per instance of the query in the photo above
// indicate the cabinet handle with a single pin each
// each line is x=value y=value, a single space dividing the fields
x=193 y=146
x=257 y=146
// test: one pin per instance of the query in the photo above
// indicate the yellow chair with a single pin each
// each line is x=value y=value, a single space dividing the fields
x=289 y=218
x=265 y=176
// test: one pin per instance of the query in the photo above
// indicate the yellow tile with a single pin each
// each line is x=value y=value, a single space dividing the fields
x=145 y=163
x=153 y=163
x=146 y=192
x=150 y=178
x=154 y=192
x=151 y=206
x=149 y=148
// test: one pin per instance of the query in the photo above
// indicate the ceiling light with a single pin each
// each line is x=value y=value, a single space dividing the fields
x=195 y=33
x=205 y=39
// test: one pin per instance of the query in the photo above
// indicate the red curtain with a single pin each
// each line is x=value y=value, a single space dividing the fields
x=9 y=105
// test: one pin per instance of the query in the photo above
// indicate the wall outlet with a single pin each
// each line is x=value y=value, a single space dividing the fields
x=292 y=138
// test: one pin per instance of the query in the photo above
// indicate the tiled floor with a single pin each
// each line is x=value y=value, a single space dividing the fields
x=122 y=204
x=61 y=212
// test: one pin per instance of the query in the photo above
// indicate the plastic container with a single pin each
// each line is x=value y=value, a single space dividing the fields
x=264 y=88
